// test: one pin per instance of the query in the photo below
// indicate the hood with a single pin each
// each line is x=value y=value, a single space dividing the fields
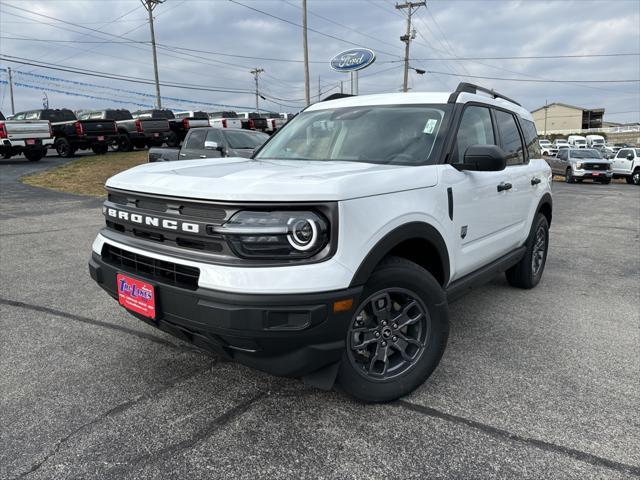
x=240 y=179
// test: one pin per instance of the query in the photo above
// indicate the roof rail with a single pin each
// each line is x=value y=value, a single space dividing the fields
x=465 y=87
x=336 y=96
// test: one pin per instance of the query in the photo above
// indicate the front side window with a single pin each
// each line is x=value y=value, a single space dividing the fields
x=196 y=139
x=623 y=153
x=475 y=129
x=381 y=134
x=245 y=140
x=510 y=137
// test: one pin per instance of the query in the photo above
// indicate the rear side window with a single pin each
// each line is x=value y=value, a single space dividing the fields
x=475 y=129
x=196 y=139
x=531 y=137
x=510 y=139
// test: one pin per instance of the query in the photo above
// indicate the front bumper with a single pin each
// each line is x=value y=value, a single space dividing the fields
x=593 y=174
x=283 y=334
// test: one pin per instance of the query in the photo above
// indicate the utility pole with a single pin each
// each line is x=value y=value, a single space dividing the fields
x=256 y=72
x=410 y=6
x=13 y=108
x=149 y=5
x=307 y=94
x=545 y=118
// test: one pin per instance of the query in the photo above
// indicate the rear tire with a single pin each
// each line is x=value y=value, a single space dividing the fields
x=64 y=148
x=528 y=271
x=100 y=149
x=124 y=143
x=397 y=334
x=635 y=177
x=34 y=155
x=172 y=140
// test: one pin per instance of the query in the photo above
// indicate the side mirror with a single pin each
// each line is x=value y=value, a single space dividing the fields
x=484 y=158
x=630 y=156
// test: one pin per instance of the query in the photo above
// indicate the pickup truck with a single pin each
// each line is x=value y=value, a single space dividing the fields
x=224 y=120
x=333 y=252
x=274 y=122
x=212 y=143
x=71 y=134
x=29 y=137
x=179 y=125
x=139 y=133
x=626 y=164
x=253 y=121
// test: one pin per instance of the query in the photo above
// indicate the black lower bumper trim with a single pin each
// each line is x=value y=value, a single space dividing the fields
x=289 y=335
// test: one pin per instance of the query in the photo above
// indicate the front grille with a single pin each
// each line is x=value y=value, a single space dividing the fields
x=151 y=268
x=595 y=166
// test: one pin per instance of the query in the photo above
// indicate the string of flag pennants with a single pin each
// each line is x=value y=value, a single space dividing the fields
x=52 y=84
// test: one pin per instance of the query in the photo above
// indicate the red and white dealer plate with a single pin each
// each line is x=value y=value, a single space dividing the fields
x=136 y=295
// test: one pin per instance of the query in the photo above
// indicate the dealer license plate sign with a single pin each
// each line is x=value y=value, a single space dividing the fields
x=136 y=295
x=31 y=142
x=100 y=138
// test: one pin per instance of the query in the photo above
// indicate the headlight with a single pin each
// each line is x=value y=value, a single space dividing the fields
x=579 y=165
x=273 y=235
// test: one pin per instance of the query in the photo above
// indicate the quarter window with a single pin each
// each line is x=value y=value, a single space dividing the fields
x=510 y=137
x=531 y=138
x=475 y=129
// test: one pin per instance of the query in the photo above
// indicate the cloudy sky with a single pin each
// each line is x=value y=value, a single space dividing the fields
x=207 y=42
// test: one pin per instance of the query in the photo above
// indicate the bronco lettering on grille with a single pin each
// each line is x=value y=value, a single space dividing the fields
x=157 y=222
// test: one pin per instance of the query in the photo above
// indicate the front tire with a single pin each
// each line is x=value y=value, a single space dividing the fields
x=528 y=271
x=635 y=177
x=397 y=335
x=569 y=178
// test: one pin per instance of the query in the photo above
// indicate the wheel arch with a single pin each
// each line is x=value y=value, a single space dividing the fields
x=545 y=206
x=418 y=242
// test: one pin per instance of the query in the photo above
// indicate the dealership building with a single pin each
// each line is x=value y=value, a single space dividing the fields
x=560 y=117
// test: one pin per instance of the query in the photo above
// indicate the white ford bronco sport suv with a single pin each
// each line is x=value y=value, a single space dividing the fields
x=332 y=254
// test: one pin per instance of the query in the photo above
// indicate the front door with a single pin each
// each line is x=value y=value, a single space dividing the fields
x=481 y=213
x=621 y=163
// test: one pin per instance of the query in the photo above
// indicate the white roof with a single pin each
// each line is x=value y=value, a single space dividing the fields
x=407 y=98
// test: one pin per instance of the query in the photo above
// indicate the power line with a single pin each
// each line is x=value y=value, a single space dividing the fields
x=534 y=80
x=308 y=28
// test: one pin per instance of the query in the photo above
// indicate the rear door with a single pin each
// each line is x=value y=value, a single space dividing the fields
x=193 y=145
x=480 y=212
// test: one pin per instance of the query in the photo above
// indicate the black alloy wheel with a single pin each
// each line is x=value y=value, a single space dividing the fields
x=388 y=334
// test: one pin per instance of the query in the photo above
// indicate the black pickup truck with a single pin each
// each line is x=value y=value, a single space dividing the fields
x=71 y=134
x=253 y=121
x=212 y=143
x=179 y=125
x=139 y=133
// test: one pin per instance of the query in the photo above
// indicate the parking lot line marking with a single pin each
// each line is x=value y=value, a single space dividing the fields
x=111 y=412
x=540 y=444
x=99 y=323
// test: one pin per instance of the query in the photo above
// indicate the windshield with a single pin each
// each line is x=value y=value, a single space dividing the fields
x=584 y=154
x=388 y=134
x=579 y=141
x=239 y=140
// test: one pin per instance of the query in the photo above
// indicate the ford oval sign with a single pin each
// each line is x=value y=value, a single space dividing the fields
x=352 y=60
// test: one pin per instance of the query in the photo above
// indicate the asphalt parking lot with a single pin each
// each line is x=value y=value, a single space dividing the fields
x=534 y=384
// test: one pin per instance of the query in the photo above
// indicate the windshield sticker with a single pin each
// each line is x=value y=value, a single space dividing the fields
x=430 y=126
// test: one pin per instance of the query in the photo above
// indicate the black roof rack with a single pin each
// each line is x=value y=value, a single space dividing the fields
x=336 y=96
x=465 y=87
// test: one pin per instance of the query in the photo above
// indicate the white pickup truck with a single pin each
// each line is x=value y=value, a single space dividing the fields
x=626 y=164
x=274 y=122
x=224 y=120
x=29 y=137
x=333 y=252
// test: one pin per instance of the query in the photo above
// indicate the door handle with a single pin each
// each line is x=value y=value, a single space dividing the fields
x=535 y=181
x=203 y=156
x=183 y=154
x=504 y=186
